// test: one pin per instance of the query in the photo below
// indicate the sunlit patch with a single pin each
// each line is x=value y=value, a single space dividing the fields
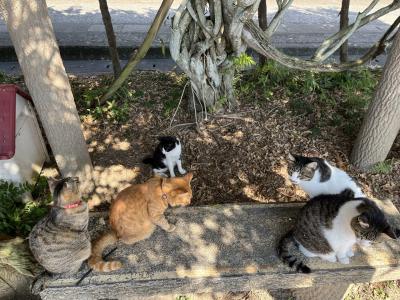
x=121 y=145
x=211 y=224
x=111 y=180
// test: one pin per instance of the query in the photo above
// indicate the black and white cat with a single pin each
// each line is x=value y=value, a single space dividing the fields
x=166 y=156
x=316 y=177
x=328 y=226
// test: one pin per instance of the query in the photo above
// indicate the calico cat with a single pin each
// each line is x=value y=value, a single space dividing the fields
x=136 y=212
x=328 y=226
x=316 y=177
x=166 y=156
x=60 y=242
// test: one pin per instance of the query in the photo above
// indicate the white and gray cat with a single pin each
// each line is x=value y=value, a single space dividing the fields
x=166 y=156
x=328 y=226
x=317 y=177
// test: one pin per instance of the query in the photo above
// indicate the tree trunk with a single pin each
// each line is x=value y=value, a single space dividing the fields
x=263 y=23
x=33 y=38
x=344 y=22
x=112 y=43
x=382 y=121
x=204 y=47
x=138 y=55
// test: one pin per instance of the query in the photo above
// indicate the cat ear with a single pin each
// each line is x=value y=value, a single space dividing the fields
x=189 y=177
x=312 y=165
x=291 y=157
x=52 y=182
x=390 y=232
x=363 y=221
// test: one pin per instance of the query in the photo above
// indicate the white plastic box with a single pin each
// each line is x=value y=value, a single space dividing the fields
x=22 y=147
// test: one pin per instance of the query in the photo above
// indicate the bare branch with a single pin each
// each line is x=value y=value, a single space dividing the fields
x=276 y=20
x=364 y=20
x=256 y=39
x=323 y=53
x=141 y=52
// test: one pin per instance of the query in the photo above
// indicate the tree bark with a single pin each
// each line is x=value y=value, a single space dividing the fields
x=263 y=23
x=382 y=121
x=34 y=42
x=205 y=47
x=112 y=43
x=344 y=22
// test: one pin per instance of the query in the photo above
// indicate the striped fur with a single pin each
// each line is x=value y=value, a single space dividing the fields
x=288 y=258
x=60 y=242
x=135 y=213
x=96 y=261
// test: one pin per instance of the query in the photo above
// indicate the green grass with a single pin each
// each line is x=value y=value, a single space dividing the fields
x=384 y=167
x=18 y=218
x=342 y=98
x=5 y=78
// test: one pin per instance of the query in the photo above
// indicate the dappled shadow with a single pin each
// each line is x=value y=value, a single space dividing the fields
x=235 y=245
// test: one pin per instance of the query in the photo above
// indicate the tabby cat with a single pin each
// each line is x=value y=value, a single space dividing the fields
x=136 y=212
x=60 y=242
x=328 y=226
x=316 y=176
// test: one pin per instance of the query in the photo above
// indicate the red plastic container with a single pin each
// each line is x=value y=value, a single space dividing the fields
x=8 y=93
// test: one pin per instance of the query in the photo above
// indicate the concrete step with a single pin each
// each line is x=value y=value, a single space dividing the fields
x=218 y=249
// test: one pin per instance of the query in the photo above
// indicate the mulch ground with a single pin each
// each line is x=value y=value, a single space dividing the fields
x=236 y=157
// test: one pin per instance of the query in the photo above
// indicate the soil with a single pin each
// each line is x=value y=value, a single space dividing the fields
x=236 y=156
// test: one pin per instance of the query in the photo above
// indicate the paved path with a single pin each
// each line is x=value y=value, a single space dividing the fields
x=79 y=23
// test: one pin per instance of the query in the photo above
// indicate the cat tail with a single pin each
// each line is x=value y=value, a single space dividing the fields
x=96 y=261
x=287 y=258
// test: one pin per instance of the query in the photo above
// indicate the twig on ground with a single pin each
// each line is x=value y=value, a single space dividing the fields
x=180 y=100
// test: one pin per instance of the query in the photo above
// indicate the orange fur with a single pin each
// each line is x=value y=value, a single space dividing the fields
x=136 y=212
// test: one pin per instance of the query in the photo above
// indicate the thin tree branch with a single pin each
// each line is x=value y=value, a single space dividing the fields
x=344 y=22
x=323 y=53
x=112 y=43
x=257 y=40
x=365 y=20
x=137 y=56
x=276 y=20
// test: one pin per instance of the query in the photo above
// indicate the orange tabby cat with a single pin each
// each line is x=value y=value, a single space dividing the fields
x=135 y=213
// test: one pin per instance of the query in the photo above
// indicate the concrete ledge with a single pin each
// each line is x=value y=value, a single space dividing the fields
x=217 y=249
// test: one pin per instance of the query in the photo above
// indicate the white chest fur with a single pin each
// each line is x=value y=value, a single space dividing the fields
x=338 y=181
x=341 y=236
x=172 y=159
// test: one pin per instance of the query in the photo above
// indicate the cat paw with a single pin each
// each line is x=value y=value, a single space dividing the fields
x=171 y=228
x=182 y=171
x=344 y=260
x=331 y=259
x=350 y=253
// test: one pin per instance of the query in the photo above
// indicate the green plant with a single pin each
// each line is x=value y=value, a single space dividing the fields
x=5 y=78
x=116 y=109
x=16 y=217
x=15 y=253
x=334 y=99
x=243 y=61
x=384 y=167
